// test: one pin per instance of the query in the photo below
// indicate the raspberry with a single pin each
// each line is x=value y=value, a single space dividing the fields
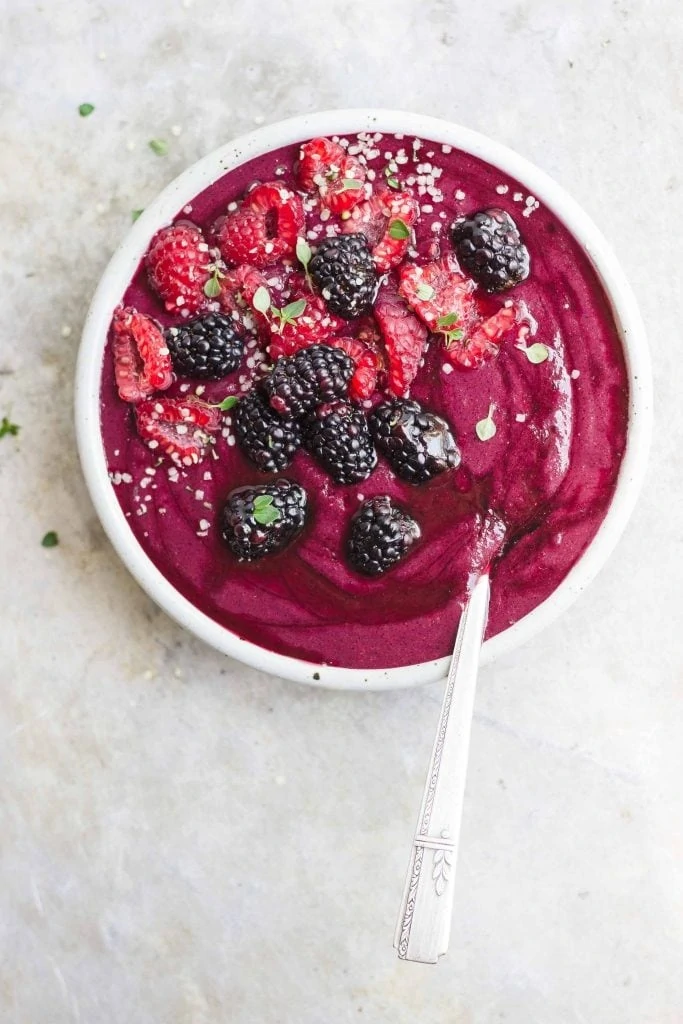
x=417 y=444
x=258 y=521
x=178 y=267
x=269 y=440
x=315 y=375
x=368 y=333
x=489 y=247
x=404 y=340
x=482 y=343
x=142 y=362
x=386 y=220
x=439 y=294
x=324 y=165
x=337 y=435
x=344 y=272
x=265 y=228
x=363 y=384
x=238 y=288
x=443 y=298
x=179 y=427
x=209 y=347
x=314 y=325
x=381 y=535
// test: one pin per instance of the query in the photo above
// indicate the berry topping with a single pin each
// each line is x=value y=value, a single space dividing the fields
x=338 y=177
x=258 y=521
x=209 y=347
x=142 y=363
x=312 y=322
x=178 y=427
x=363 y=384
x=269 y=440
x=238 y=288
x=489 y=247
x=368 y=333
x=343 y=270
x=381 y=535
x=404 y=340
x=337 y=435
x=264 y=229
x=443 y=298
x=418 y=444
x=386 y=220
x=310 y=377
x=179 y=266
x=482 y=343
x=440 y=295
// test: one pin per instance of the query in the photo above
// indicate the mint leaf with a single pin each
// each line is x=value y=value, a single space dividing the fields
x=159 y=146
x=85 y=109
x=451 y=336
x=486 y=429
x=293 y=310
x=425 y=291
x=7 y=427
x=228 y=403
x=212 y=287
x=537 y=353
x=134 y=214
x=392 y=180
x=303 y=252
x=261 y=300
x=399 y=230
x=265 y=512
x=446 y=326
x=50 y=540
x=350 y=184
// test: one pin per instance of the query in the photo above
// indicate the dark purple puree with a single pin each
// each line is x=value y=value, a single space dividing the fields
x=549 y=472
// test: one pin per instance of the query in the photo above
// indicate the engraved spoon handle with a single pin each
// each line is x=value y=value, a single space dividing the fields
x=424 y=922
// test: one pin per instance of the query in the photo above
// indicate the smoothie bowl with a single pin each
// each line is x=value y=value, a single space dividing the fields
x=342 y=366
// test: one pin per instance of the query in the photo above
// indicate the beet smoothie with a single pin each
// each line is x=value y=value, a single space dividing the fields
x=540 y=432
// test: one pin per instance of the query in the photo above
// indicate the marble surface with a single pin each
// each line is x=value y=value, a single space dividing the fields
x=185 y=840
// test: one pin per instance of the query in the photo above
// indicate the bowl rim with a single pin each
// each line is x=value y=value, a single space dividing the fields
x=165 y=207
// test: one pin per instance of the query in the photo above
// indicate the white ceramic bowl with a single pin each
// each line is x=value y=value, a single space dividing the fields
x=181 y=191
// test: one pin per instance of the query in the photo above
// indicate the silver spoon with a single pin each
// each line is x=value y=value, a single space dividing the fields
x=424 y=922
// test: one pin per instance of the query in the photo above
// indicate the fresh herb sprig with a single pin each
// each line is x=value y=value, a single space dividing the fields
x=446 y=325
x=289 y=314
x=212 y=287
x=265 y=512
x=486 y=429
x=399 y=230
x=536 y=353
x=391 y=179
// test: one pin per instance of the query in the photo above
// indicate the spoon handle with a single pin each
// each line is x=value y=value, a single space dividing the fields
x=424 y=922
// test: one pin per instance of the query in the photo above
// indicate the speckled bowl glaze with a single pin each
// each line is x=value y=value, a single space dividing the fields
x=198 y=177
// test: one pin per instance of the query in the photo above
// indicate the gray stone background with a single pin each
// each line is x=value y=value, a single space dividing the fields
x=184 y=840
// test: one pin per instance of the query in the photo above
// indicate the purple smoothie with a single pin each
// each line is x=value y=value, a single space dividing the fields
x=549 y=473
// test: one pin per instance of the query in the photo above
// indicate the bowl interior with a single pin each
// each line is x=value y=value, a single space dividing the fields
x=198 y=177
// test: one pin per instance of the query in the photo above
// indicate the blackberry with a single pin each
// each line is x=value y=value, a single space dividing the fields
x=258 y=521
x=488 y=245
x=419 y=445
x=209 y=347
x=344 y=271
x=381 y=535
x=269 y=440
x=337 y=436
x=310 y=377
